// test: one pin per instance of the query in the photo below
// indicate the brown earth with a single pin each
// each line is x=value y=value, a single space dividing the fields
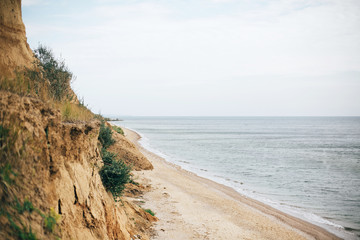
x=59 y=171
x=14 y=49
x=53 y=165
x=128 y=152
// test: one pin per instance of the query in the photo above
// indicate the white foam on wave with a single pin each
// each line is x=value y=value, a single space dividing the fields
x=300 y=213
x=284 y=207
x=145 y=143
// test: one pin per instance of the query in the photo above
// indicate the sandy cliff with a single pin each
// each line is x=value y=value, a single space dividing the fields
x=127 y=151
x=14 y=49
x=59 y=171
x=50 y=187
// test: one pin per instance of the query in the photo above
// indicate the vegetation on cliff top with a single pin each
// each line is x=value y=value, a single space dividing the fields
x=118 y=130
x=55 y=71
x=49 y=79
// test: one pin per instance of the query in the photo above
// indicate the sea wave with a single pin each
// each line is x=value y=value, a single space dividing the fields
x=295 y=211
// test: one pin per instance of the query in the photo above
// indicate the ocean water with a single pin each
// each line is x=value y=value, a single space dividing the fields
x=308 y=167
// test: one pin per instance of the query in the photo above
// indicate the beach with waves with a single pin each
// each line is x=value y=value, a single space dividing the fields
x=301 y=168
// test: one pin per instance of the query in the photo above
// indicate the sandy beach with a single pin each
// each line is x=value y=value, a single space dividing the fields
x=192 y=207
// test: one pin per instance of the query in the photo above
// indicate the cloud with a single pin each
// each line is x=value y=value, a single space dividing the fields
x=169 y=50
x=222 y=1
x=32 y=2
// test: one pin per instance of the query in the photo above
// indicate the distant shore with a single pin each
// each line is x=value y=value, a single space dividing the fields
x=192 y=207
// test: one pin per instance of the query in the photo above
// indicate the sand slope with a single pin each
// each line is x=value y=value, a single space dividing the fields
x=191 y=207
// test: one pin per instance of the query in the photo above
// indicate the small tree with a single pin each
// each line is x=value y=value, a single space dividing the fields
x=55 y=71
x=107 y=157
x=105 y=135
x=115 y=176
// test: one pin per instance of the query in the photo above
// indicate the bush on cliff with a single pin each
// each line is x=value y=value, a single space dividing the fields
x=114 y=176
x=105 y=135
x=56 y=72
x=49 y=79
x=107 y=157
x=118 y=130
x=115 y=173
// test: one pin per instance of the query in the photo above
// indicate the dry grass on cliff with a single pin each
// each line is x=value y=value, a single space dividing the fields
x=49 y=80
x=72 y=112
x=25 y=85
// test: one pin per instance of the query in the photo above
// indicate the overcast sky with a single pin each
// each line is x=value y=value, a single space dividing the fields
x=206 y=57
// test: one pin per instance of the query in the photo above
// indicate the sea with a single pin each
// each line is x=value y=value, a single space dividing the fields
x=308 y=167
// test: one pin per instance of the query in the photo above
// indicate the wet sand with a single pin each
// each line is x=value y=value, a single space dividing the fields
x=192 y=207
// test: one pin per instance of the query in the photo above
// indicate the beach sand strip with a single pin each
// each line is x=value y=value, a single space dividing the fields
x=192 y=207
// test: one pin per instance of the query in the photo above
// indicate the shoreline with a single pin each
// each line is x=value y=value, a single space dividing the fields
x=248 y=218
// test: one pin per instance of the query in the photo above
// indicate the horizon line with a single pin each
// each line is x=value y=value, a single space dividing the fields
x=230 y=115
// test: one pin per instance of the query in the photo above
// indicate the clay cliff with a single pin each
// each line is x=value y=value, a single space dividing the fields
x=56 y=169
x=127 y=151
x=50 y=187
x=14 y=49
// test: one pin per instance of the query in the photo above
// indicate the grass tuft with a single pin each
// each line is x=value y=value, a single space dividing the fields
x=22 y=233
x=50 y=220
x=150 y=212
x=71 y=112
x=7 y=175
x=118 y=130
x=26 y=83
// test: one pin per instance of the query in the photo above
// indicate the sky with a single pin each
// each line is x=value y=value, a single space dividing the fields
x=206 y=57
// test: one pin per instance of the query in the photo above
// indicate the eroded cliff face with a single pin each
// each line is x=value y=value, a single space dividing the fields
x=14 y=49
x=127 y=151
x=59 y=172
x=50 y=187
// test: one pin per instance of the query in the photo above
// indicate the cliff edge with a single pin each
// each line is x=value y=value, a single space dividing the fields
x=50 y=186
x=54 y=166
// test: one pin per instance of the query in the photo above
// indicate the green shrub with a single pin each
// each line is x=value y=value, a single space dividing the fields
x=99 y=117
x=7 y=175
x=118 y=130
x=21 y=233
x=105 y=136
x=27 y=206
x=150 y=212
x=114 y=174
x=107 y=157
x=50 y=220
x=48 y=78
x=55 y=71
x=114 y=177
